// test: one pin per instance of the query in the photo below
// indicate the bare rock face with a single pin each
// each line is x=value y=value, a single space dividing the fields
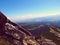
x=11 y=31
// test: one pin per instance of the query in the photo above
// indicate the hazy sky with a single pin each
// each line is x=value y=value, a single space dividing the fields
x=24 y=9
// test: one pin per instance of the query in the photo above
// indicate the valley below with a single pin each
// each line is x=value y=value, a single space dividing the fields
x=47 y=33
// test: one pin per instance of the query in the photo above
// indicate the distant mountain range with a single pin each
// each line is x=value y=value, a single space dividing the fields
x=43 y=19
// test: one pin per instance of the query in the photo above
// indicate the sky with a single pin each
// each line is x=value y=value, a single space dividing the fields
x=26 y=9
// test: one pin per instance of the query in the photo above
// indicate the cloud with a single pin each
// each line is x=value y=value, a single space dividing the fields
x=29 y=16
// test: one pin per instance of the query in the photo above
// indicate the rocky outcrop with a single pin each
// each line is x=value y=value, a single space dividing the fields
x=11 y=31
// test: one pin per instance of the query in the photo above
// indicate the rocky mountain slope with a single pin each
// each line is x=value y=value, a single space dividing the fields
x=13 y=34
